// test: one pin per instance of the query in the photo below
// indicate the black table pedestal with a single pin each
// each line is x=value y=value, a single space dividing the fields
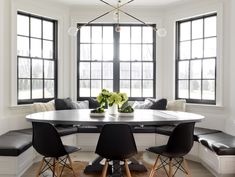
x=115 y=170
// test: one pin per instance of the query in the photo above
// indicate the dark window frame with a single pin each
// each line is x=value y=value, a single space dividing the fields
x=116 y=62
x=54 y=59
x=177 y=60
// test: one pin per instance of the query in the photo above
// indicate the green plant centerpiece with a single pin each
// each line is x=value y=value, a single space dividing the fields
x=111 y=99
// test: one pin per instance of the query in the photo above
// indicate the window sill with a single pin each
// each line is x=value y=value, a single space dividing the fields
x=20 y=107
x=204 y=106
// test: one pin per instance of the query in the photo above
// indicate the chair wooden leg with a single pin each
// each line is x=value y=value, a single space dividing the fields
x=53 y=172
x=154 y=167
x=71 y=165
x=105 y=168
x=40 y=167
x=57 y=168
x=170 y=167
x=128 y=173
x=187 y=168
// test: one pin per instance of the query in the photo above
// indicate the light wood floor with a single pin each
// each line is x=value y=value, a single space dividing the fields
x=197 y=169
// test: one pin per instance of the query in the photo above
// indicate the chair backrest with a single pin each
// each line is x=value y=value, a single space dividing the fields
x=116 y=142
x=46 y=140
x=181 y=139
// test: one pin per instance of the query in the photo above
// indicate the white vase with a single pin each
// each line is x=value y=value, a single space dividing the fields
x=113 y=109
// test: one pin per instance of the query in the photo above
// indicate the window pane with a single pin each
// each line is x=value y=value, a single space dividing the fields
x=197 y=29
x=85 y=52
x=148 y=52
x=108 y=84
x=208 y=90
x=147 y=88
x=197 y=48
x=22 y=46
x=124 y=52
x=107 y=34
x=210 y=26
x=84 y=70
x=210 y=47
x=107 y=70
x=49 y=91
x=24 y=89
x=183 y=72
x=136 y=34
x=135 y=52
x=49 y=69
x=37 y=86
x=125 y=87
x=95 y=87
x=209 y=69
x=195 y=89
x=107 y=52
x=85 y=34
x=147 y=70
x=23 y=25
x=185 y=31
x=24 y=68
x=125 y=35
x=96 y=70
x=47 y=30
x=185 y=50
x=136 y=88
x=37 y=70
x=136 y=70
x=125 y=70
x=147 y=34
x=84 y=86
x=36 y=48
x=47 y=49
x=195 y=69
x=96 y=34
x=36 y=27
x=183 y=89
x=96 y=52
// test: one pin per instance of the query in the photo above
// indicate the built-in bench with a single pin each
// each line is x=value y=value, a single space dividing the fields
x=215 y=149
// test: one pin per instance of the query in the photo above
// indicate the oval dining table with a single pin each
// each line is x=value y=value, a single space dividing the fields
x=140 y=117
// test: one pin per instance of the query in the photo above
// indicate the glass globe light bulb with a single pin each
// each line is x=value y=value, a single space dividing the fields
x=72 y=31
x=161 y=32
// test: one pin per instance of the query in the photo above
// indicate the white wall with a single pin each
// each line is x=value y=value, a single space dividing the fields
x=216 y=116
x=13 y=115
x=230 y=124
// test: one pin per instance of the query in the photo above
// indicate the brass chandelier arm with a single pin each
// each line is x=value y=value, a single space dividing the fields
x=118 y=8
x=106 y=13
x=97 y=18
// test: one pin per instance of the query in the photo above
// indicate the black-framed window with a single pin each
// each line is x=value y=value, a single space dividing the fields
x=196 y=55
x=36 y=58
x=118 y=61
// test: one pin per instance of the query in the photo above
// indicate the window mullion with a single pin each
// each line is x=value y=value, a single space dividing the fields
x=116 y=60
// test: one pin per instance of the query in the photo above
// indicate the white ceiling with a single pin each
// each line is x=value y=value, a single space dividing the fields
x=150 y=3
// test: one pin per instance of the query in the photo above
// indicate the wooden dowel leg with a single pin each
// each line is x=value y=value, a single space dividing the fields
x=170 y=167
x=128 y=173
x=71 y=165
x=154 y=167
x=105 y=168
x=186 y=168
x=53 y=172
x=40 y=167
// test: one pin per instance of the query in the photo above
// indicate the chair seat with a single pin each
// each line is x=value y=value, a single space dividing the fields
x=162 y=150
x=71 y=149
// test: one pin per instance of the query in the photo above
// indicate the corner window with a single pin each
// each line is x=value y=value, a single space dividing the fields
x=196 y=54
x=36 y=58
x=118 y=61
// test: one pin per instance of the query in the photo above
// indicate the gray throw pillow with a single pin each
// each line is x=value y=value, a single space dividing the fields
x=80 y=105
x=142 y=105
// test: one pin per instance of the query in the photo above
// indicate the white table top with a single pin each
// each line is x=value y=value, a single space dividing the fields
x=140 y=117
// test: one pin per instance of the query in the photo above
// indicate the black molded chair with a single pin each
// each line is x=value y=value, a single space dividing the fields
x=172 y=154
x=47 y=142
x=116 y=142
